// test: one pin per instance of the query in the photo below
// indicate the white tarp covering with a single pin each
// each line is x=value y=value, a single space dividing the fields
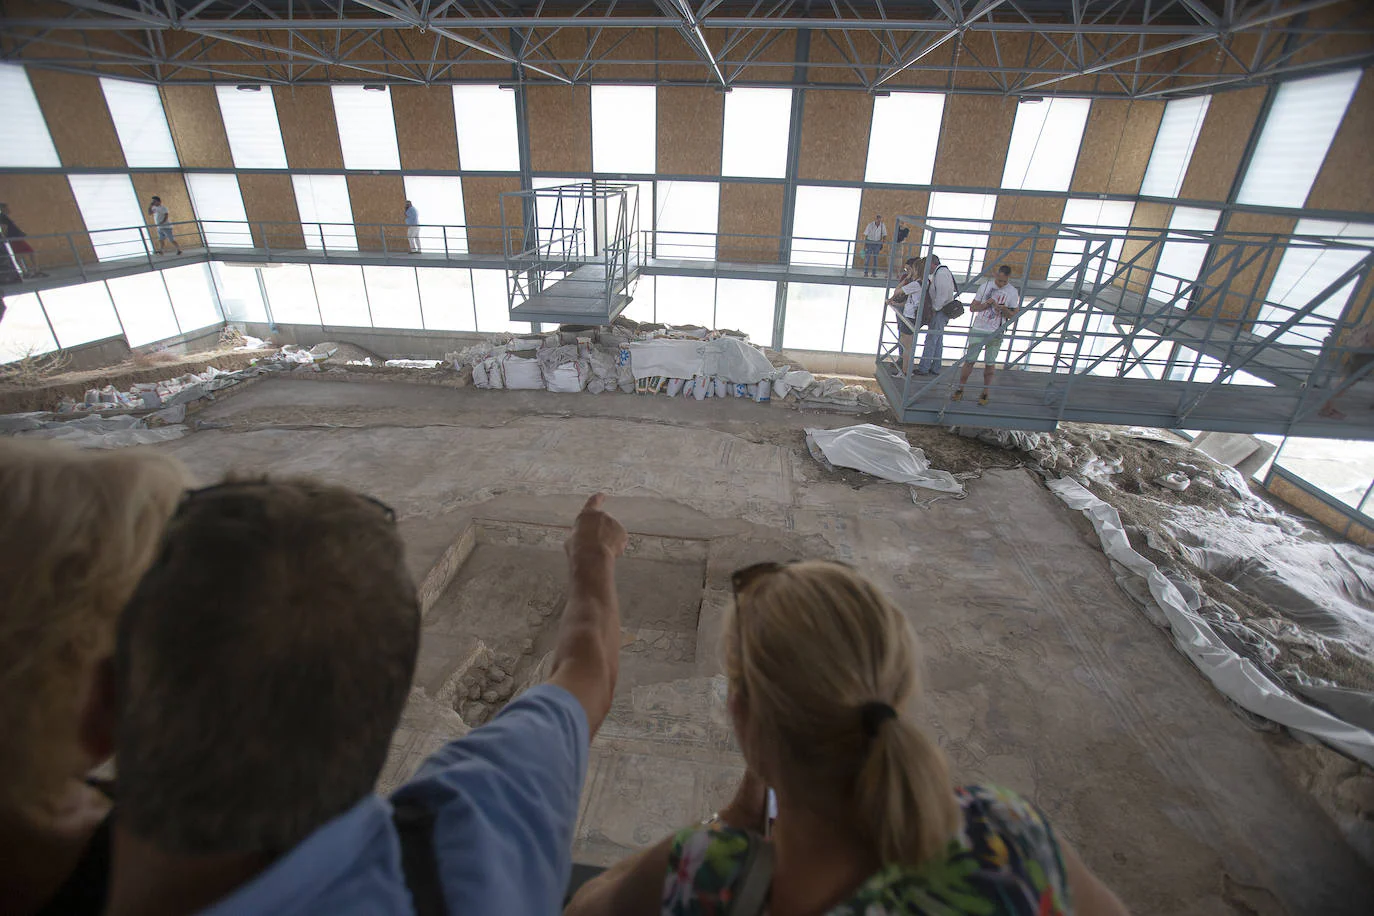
x=726 y=358
x=102 y=432
x=1236 y=677
x=734 y=360
x=882 y=453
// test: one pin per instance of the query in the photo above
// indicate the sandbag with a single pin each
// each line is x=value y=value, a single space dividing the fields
x=520 y=373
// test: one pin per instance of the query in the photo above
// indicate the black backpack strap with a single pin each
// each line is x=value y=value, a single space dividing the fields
x=415 y=826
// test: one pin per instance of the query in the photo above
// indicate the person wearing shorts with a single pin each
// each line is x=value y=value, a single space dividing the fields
x=163 y=220
x=994 y=307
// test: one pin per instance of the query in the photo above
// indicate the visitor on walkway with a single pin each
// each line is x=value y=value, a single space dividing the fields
x=262 y=666
x=875 y=233
x=77 y=529
x=905 y=300
x=994 y=307
x=18 y=252
x=940 y=294
x=822 y=692
x=163 y=220
x=412 y=227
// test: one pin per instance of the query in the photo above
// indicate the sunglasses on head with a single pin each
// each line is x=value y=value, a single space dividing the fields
x=191 y=495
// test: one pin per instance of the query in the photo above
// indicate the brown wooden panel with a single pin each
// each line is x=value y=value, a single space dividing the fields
x=1346 y=179
x=1141 y=248
x=308 y=129
x=171 y=187
x=678 y=60
x=379 y=200
x=891 y=203
x=691 y=122
x=560 y=119
x=269 y=198
x=779 y=46
x=1117 y=142
x=43 y=204
x=1253 y=266
x=973 y=140
x=78 y=119
x=834 y=137
x=831 y=59
x=750 y=209
x=1220 y=144
x=482 y=204
x=1012 y=248
x=1321 y=512
x=197 y=128
x=424 y=127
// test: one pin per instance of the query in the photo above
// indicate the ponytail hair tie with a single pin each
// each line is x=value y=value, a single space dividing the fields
x=873 y=715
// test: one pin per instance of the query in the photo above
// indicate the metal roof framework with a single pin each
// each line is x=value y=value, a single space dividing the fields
x=1137 y=49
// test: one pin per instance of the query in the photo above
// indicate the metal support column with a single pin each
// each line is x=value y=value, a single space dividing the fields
x=789 y=188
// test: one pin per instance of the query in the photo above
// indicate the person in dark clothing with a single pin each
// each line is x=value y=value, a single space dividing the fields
x=17 y=250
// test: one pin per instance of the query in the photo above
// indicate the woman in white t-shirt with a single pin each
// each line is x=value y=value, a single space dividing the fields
x=994 y=307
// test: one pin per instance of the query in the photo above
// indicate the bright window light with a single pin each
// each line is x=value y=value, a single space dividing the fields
x=757 y=123
x=815 y=316
x=1173 y=149
x=144 y=308
x=446 y=299
x=960 y=223
x=644 y=306
x=193 y=296
x=367 y=128
x=624 y=129
x=239 y=292
x=1342 y=468
x=823 y=226
x=393 y=296
x=903 y=137
x=439 y=202
x=1307 y=269
x=1044 y=144
x=250 y=122
x=291 y=294
x=1182 y=254
x=1099 y=217
x=485 y=120
x=326 y=214
x=113 y=218
x=1296 y=135
x=493 y=306
x=136 y=109
x=686 y=300
x=687 y=219
x=748 y=306
x=864 y=319
x=219 y=207
x=80 y=314
x=24 y=332
x=25 y=141
x=556 y=212
x=342 y=295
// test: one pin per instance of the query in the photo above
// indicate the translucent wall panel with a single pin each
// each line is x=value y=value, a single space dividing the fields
x=1304 y=272
x=291 y=294
x=485 y=120
x=864 y=319
x=757 y=123
x=824 y=214
x=342 y=295
x=1181 y=257
x=903 y=136
x=960 y=223
x=643 y=306
x=446 y=299
x=624 y=129
x=493 y=306
x=193 y=296
x=1295 y=138
x=1044 y=144
x=685 y=300
x=25 y=141
x=439 y=202
x=815 y=316
x=109 y=208
x=219 y=207
x=239 y=293
x=250 y=121
x=136 y=109
x=748 y=306
x=687 y=218
x=1341 y=468
x=326 y=214
x=1100 y=217
x=80 y=314
x=24 y=331
x=144 y=308
x=367 y=128
x=394 y=297
x=1173 y=149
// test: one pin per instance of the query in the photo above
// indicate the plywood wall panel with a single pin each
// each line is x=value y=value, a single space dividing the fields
x=750 y=209
x=44 y=204
x=1116 y=147
x=171 y=187
x=269 y=198
x=1015 y=251
x=1251 y=280
x=78 y=119
x=560 y=119
x=197 y=128
x=1221 y=143
x=831 y=58
x=691 y=122
x=379 y=202
x=425 y=129
x=1346 y=179
x=1139 y=249
x=973 y=140
x=834 y=137
x=482 y=203
x=891 y=203
x=308 y=129
x=685 y=64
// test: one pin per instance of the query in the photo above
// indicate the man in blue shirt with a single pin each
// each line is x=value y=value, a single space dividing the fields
x=259 y=672
x=413 y=227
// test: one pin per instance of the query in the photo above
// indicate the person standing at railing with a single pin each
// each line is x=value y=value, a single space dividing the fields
x=940 y=293
x=163 y=220
x=994 y=307
x=875 y=233
x=20 y=252
x=413 y=227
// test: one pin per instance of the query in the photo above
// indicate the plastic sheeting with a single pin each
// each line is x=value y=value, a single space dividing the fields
x=882 y=453
x=101 y=432
x=727 y=358
x=1238 y=678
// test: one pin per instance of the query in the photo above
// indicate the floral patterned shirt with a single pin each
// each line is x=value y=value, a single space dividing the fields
x=1004 y=861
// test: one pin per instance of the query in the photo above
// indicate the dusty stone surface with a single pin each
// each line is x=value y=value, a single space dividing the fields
x=1042 y=676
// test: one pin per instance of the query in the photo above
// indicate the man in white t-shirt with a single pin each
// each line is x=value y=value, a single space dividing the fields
x=163 y=220
x=875 y=233
x=994 y=307
x=412 y=227
x=940 y=292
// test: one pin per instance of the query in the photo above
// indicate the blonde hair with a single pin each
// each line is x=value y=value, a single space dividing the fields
x=807 y=648
x=77 y=530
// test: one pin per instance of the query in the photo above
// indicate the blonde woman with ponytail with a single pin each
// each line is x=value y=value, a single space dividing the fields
x=823 y=695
